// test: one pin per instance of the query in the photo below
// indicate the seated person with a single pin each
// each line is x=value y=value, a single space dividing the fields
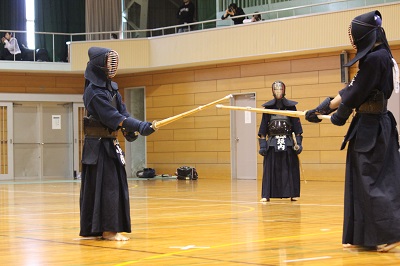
x=255 y=18
x=11 y=49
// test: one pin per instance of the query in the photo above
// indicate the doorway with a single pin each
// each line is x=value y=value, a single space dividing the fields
x=6 y=152
x=42 y=142
x=36 y=133
x=135 y=152
x=243 y=138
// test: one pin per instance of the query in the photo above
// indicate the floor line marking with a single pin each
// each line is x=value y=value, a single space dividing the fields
x=221 y=246
x=308 y=259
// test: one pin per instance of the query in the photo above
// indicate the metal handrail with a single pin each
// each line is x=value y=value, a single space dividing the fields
x=175 y=28
x=149 y=33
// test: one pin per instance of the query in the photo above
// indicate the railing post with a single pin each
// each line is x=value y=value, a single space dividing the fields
x=54 y=52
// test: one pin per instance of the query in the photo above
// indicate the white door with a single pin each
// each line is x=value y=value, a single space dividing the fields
x=135 y=152
x=243 y=138
x=78 y=114
x=42 y=141
x=6 y=141
x=394 y=106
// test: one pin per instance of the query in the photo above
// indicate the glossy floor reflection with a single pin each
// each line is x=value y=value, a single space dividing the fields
x=174 y=222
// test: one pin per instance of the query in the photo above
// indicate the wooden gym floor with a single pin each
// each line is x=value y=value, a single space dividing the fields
x=203 y=222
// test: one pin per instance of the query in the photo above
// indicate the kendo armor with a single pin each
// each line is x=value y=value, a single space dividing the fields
x=280 y=130
x=375 y=104
x=102 y=65
x=278 y=85
x=94 y=128
x=279 y=125
x=364 y=32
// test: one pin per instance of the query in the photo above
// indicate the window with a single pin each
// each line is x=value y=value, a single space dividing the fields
x=30 y=23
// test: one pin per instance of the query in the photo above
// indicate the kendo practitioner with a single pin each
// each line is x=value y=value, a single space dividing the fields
x=281 y=172
x=372 y=183
x=104 y=196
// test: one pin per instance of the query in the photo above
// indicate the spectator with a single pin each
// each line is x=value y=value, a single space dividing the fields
x=11 y=49
x=233 y=11
x=185 y=15
x=255 y=18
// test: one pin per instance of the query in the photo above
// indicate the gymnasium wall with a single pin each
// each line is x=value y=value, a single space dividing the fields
x=182 y=72
x=202 y=140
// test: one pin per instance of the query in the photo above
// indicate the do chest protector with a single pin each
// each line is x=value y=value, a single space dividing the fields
x=279 y=125
x=280 y=130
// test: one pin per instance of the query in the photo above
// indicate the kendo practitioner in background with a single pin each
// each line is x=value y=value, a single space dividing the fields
x=104 y=197
x=372 y=183
x=281 y=171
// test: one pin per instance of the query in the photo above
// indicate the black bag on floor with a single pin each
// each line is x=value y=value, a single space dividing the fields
x=146 y=173
x=186 y=173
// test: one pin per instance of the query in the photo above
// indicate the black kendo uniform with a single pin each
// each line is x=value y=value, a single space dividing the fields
x=281 y=172
x=372 y=188
x=104 y=198
x=372 y=184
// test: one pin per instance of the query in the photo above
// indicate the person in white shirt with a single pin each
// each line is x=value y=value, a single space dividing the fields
x=11 y=49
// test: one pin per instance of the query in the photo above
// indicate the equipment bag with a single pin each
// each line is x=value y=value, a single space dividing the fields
x=146 y=173
x=186 y=173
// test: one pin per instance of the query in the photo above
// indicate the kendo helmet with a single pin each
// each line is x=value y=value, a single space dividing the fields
x=278 y=89
x=102 y=65
x=364 y=32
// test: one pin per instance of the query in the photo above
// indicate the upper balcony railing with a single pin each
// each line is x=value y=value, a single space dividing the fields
x=55 y=45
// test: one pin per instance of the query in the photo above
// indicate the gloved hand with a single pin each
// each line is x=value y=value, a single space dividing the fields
x=340 y=117
x=130 y=136
x=299 y=140
x=263 y=147
x=323 y=109
x=132 y=125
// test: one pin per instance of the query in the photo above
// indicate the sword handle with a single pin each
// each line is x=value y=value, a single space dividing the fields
x=295 y=146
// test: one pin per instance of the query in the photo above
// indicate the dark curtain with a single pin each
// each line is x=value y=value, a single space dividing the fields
x=12 y=17
x=162 y=13
x=207 y=11
x=61 y=16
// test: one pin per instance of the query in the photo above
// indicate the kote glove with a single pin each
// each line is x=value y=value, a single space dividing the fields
x=322 y=109
x=340 y=117
x=132 y=125
x=263 y=147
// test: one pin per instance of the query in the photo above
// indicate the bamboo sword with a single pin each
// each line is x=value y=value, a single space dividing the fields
x=157 y=124
x=270 y=111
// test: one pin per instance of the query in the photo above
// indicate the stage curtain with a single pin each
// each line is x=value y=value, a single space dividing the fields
x=61 y=16
x=102 y=16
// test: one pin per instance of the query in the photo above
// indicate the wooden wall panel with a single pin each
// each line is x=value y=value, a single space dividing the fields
x=212 y=122
x=158 y=90
x=265 y=68
x=224 y=157
x=196 y=134
x=217 y=73
x=239 y=84
x=315 y=63
x=195 y=87
x=309 y=79
x=172 y=100
x=70 y=81
x=202 y=140
x=173 y=77
x=213 y=145
x=174 y=146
